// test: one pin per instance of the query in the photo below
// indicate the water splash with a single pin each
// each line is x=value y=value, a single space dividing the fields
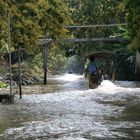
x=108 y=84
x=108 y=87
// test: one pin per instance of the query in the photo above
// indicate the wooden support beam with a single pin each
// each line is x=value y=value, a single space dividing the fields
x=9 y=48
x=19 y=72
x=137 y=66
x=74 y=40
x=97 y=25
x=45 y=66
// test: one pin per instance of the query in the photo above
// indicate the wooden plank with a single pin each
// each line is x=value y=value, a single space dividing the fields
x=75 y=40
x=97 y=25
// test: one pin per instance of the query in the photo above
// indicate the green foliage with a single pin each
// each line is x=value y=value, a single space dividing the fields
x=56 y=60
x=31 y=19
x=57 y=17
x=125 y=65
x=2 y=85
x=36 y=63
x=92 y=12
x=132 y=15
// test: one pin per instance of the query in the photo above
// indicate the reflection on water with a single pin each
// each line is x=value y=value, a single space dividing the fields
x=109 y=112
x=69 y=77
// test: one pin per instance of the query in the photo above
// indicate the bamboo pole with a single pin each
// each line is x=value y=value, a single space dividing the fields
x=75 y=40
x=9 y=47
x=19 y=72
x=137 y=66
x=45 y=63
x=97 y=25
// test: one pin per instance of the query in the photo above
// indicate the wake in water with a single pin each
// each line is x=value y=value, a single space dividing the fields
x=112 y=88
x=108 y=112
x=73 y=82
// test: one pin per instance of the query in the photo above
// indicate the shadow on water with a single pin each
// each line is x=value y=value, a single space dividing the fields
x=72 y=112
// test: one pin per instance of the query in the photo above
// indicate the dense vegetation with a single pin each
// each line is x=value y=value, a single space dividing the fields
x=98 y=12
x=30 y=21
x=35 y=19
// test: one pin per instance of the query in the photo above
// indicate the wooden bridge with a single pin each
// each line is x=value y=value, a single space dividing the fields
x=75 y=40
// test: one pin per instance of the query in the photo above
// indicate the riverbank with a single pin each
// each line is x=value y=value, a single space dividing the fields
x=36 y=88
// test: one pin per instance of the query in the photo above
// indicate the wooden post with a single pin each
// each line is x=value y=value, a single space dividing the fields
x=137 y=66
x=113 y=75
x=19 y=72
x=45 y=63
x=9 y=47
x=113 y=71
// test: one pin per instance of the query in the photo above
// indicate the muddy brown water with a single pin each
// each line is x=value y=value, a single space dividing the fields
x=70 y=111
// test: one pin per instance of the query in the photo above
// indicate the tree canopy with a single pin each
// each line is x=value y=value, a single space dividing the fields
x=35 y=19
x=31 y=20
x=97 y=12
x=131 y=9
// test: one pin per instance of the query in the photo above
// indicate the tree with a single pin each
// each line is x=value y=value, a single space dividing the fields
x=89 y=12
x=132 y=15
x=30 y=19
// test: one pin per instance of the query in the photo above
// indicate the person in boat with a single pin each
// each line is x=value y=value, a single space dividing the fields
x=91 y=73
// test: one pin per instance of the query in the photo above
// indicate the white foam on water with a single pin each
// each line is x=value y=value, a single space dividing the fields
x=73 y=114
x=108 y=87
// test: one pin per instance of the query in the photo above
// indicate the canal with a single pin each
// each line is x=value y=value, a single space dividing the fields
x=73 y=112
